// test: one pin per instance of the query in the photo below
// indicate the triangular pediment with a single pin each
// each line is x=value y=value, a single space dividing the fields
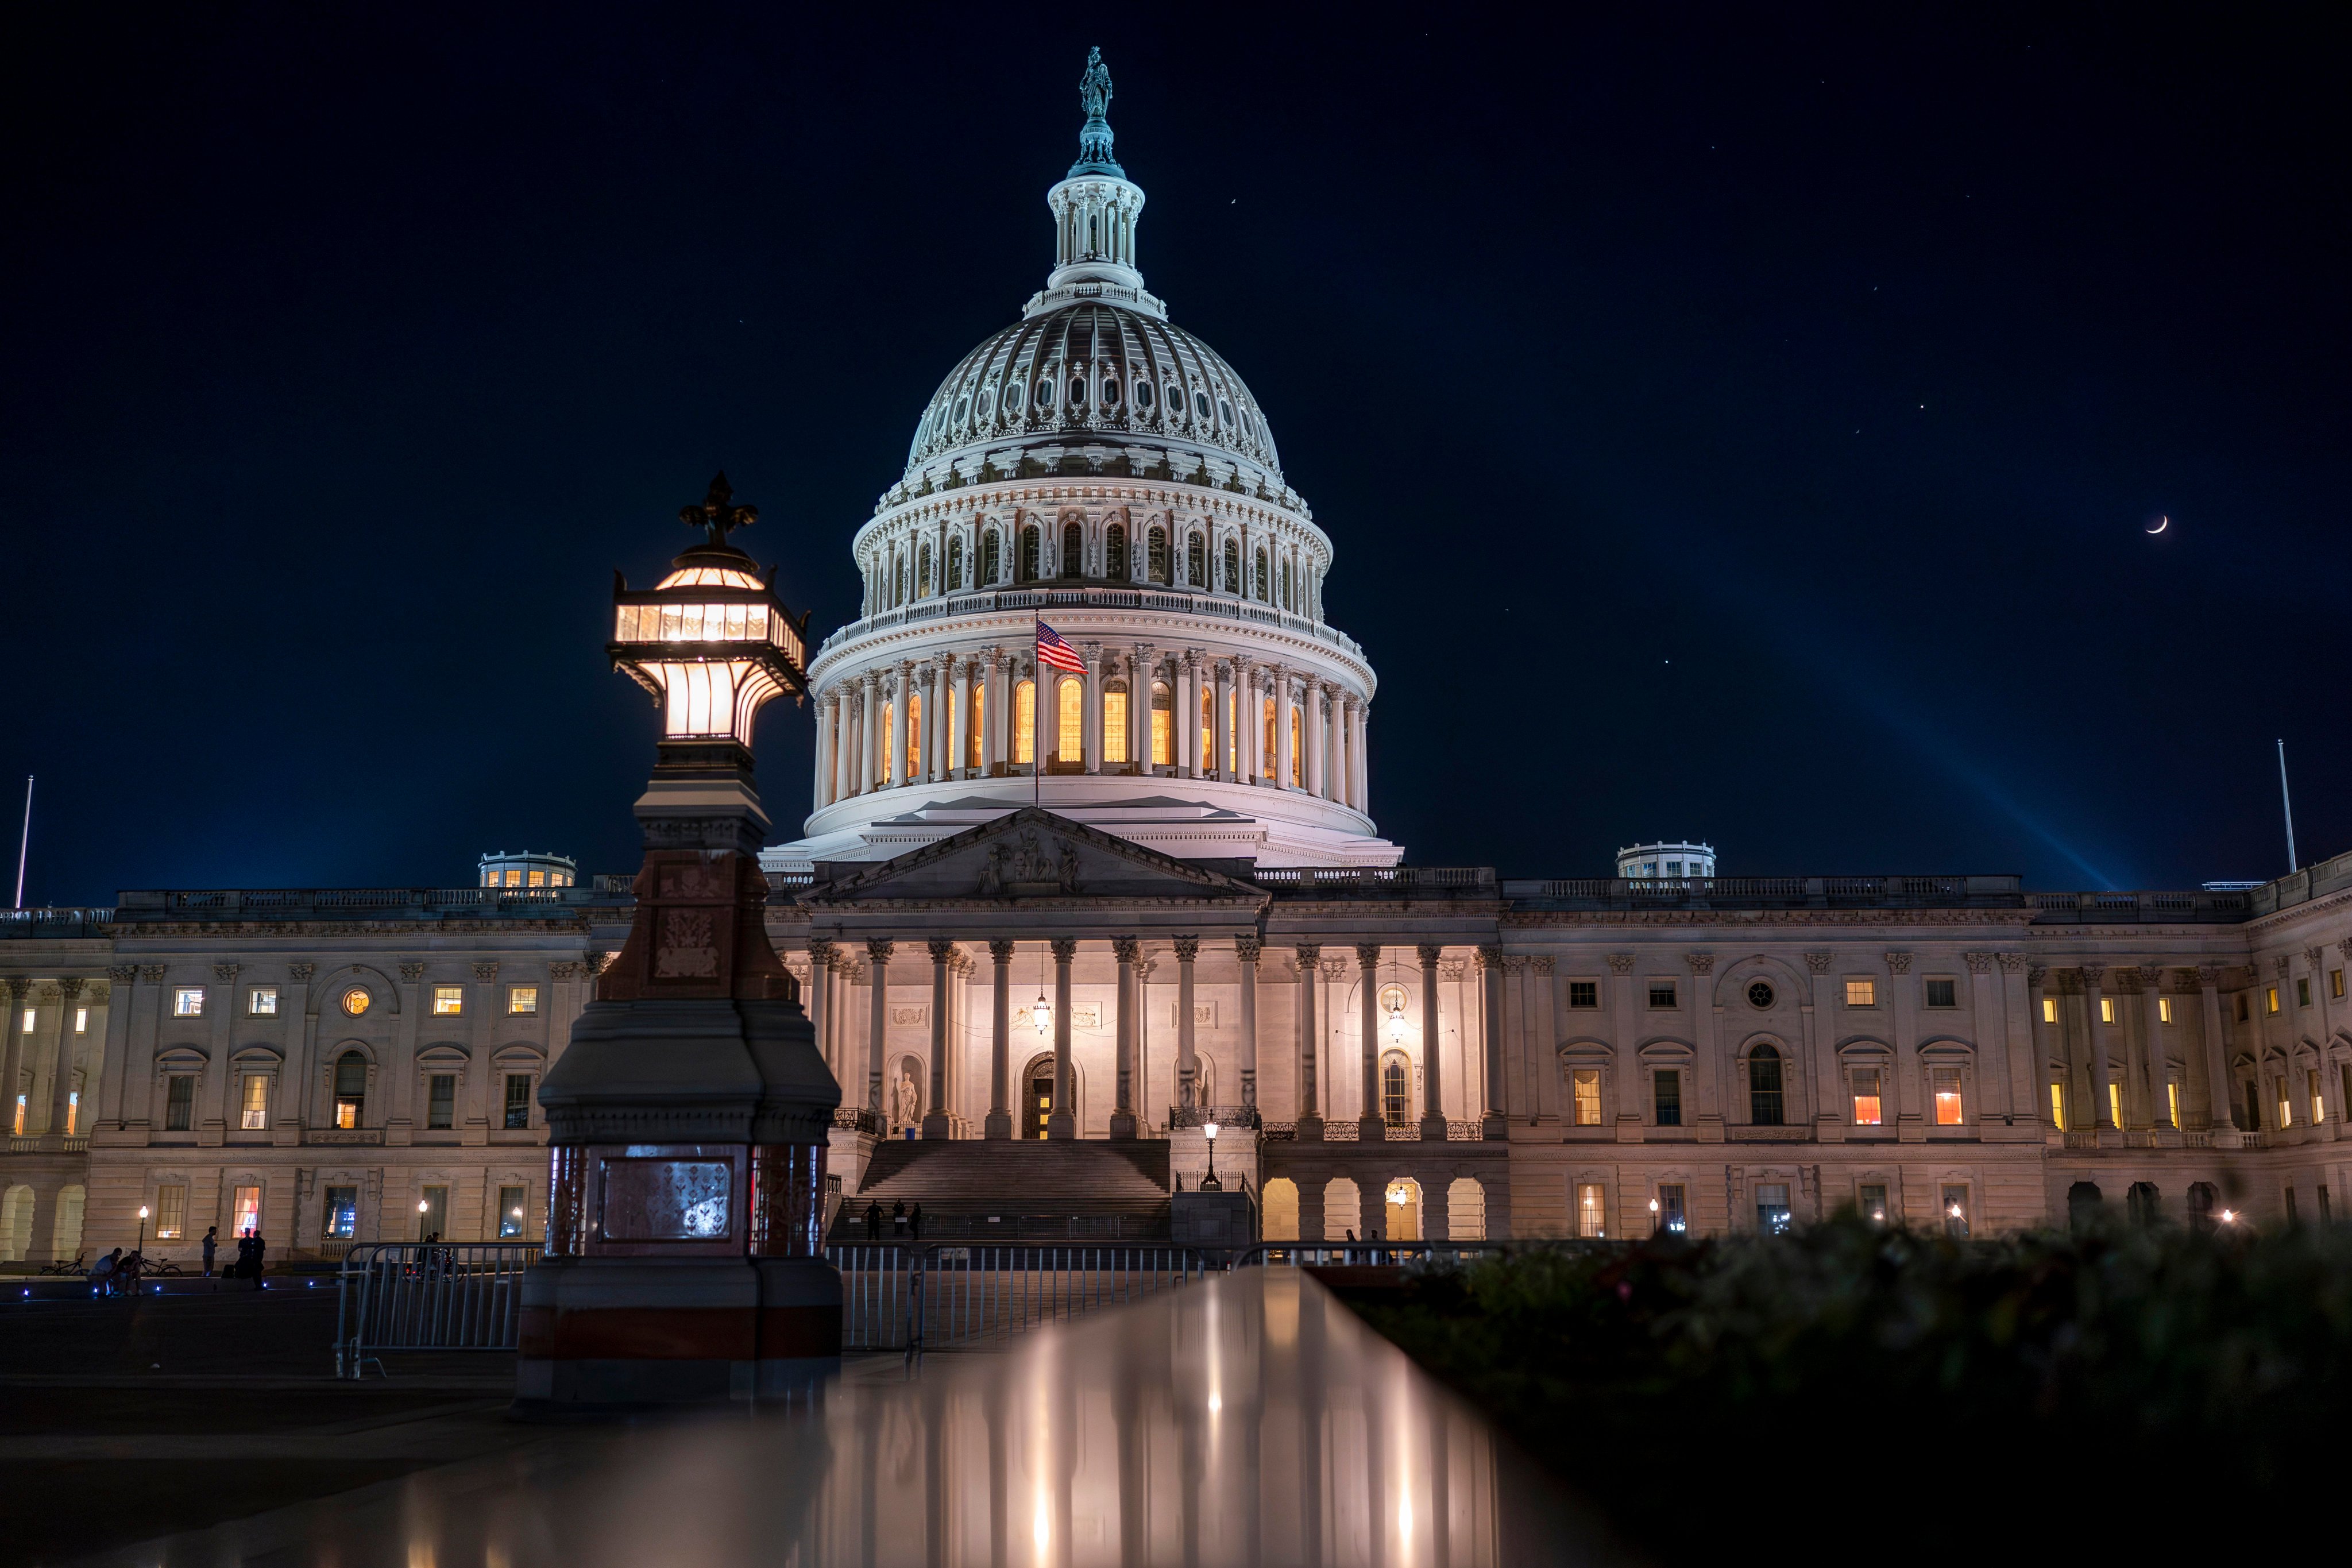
x=1030 y=854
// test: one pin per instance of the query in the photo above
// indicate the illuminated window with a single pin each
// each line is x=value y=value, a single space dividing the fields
x=1943 y=994
x=1163 y=729
x=1867 y=1111
x=1764 y=1087
x=1662 y=994
x=522 y=1001
x=973 y=725
x=2172 y=1104
x=1667 y=1096
x=179 y=1102
x=1956 y=1213
x=1672 y=1217
x=16 y=1117
x=245 y=1210
x=356 y=1000
x=1946 y=1088
x=2335 y=982
x=262 y=1002
x=2318 y=1108
x=2058 y=1105
x=1584 y=1089
x=1584 y=993
x=537 y=877
x=82 y=1020
x=1870 y=1197
x=171 y=1211
x=889 y=743
x=1591 y=1211
x=188 y=1002
x=1024 y=722
x=73 y=1114
x=2107 y=1009
x=351 y=1089
x=518 y=1116
x=2270 y=998
x=1070 y=710
x=2115 y=1103
x=913 y=734
x=448 y=1001
x=1772 y=1217
x=441 y=1101
x=2050 y=1009
x=1862 y=993
x=2164 y=1009
x=1266 y=749
x=1208 y=728
x=342 y=1212
x=1396 y=1080
x=254 y=1107
x=1114 y=726
x=1298 y=750
x=25 y=1026
x=512 y=1211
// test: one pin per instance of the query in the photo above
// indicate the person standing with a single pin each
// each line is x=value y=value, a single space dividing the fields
x=212 y=1245
x=874 y=1220
x=899 y=1220
x=260 y=1250
x=915 y=1224
x=244 y=1254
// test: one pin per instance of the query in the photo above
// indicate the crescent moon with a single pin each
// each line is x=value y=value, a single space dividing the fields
x=2161 y=524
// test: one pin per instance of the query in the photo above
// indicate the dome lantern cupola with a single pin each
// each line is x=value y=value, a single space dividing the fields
x=1095 y=211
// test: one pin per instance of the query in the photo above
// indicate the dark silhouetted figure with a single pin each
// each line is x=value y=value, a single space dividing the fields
x=874 y=1220
x=915 y=1224
x=899 y=1220
x=212 y=1245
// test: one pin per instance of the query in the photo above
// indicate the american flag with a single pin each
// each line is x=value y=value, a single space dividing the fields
x=1052 y=650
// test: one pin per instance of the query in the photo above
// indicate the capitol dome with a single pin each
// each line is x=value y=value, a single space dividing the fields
x=1092 y=591
x=1094 y=373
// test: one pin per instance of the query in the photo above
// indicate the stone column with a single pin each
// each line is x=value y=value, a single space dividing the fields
x=2330 y=1088
x=1310 y=1118
x=2016 y=1033
x=2219 y=1096
x=819 y=999
x=2159 y=1108
x=935 y=1114
x=1310 y=723
x=1122 y=1116
x=1356 y=716
x=1335 y=745
x=1372 y=1126
x=2035 y=975
x=878 y=954
x=1625 y=1034
x=1188 y=948
x=12 y=1052
x=1224 y=745
x=1061 y=1121
x=1188 y=714
x=845 y=740
x=901 y=730
x=1490 y=971
x=1139 y=707
x=1433 y=1091
x=301 y=1067
x=1713 y=1096
x=961 y=741
x=69 y=989
x=1090 y=717
x=2094 y=974
x=1247 y=949
x=870 y=741
x=1992 y=1065
x=1910 y=1101
x=1000 y=1044
x=1829 y=1104
x=1284 y=752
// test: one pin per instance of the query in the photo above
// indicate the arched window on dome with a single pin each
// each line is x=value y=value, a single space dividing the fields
x=1024 y=722
x=1268 y=754
x=973 y=723
x=1115 y=552
x=1029 y=545
x=1396 y=1081
x=1298 y=748
x=1070 y=724
x=1208 y=753
x=1233 y=583
x=1114 y=722
x=1074 y=551
x=1289 y=596
x=1156 y=556
x=923 y=570
x=992 y=557
x=1196 y=562
x=955 y=563
x=888 y=731
x=1163 y=728
x=913 y=734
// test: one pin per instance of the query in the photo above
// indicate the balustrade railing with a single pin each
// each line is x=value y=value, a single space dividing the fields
x=1079 y=596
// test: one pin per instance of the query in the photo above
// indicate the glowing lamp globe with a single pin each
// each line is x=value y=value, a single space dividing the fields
x=710 y=642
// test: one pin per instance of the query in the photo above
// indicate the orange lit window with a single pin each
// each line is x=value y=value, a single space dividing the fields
x=1862 y=993
x=1024 y=722
x=1865 y=1098
x=1948 y=1096
x=1114 y=726
x=1586 y=1085
x=1070 y=712
x=913 y=734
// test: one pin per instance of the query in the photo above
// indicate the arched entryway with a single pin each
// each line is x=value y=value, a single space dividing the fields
x=1401 y=1211
x=2085 y=1206
x=1280 y=1220
x=1465 y=1210
x=1036 y=1092
x=16 y=1224
x=68 y=1225
x=1342 y=1203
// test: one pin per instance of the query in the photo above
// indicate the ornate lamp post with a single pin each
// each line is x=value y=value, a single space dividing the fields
x=1209 y=1183
x=689 y=1117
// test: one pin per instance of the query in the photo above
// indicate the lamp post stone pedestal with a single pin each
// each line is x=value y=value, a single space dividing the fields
x=689 y=1117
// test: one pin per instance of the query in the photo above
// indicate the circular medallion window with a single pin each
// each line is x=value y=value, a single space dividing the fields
x=356 y=1000
x=1759 y=994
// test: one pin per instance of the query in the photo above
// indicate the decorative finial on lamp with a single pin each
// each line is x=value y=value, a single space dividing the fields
x=717 y=511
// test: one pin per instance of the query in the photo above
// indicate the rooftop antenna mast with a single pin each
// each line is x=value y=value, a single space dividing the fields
x=2286 y=804
x=24 y=842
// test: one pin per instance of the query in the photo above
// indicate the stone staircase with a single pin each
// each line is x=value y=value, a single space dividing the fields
x=1028 y=1190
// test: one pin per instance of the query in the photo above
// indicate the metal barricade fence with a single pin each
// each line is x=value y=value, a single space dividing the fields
x=427 y=1296
x=879 y=1295
x=1391 y=1254
x=976 y=1295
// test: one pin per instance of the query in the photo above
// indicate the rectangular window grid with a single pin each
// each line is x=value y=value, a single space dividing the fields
x=441 y=1103
x=1772 y=1217
x=261 y=1002
x=1584 y=1085
x=1946 y=1085
x=522 y=1001
x=1584 y=993
x=448 y=1001
x=518 y=1107
x=253 y=1105
x=1668 y=1097
x=1662 y=994
x=1943 y=994
x=188 y=1002
x=179 y=1102
x=171 y=1212
x=1868 y=1109
x=1591 y=1211
x=1862 y=993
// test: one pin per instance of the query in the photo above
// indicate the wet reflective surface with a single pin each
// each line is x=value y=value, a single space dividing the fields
x=1246 y=1419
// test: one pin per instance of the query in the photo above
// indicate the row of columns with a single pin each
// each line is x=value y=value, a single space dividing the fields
x=21 y=1051
x=897 y=578
x=914 y=723
x=2144 y=1078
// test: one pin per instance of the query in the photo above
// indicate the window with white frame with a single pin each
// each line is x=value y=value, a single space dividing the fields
x=1943 y=993
x=522 y=1001
x=448 y=1001
x=254 y=1102
x=261 y=1002
x=187 y=1002
x=1861 y=992
x=1584 y=1095
x=1869 y=1108
x=171 y=1211
x=82 y=1020
x=1591 y=1211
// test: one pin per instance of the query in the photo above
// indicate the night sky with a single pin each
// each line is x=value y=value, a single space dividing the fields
x=1728 y=426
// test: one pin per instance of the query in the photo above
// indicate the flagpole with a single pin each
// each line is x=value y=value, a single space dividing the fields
x=24 y=841
x=1036 y=715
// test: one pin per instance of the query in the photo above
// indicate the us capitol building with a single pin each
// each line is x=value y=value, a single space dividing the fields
x=1050 y=923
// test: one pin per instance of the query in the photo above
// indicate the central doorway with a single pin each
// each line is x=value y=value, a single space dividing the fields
x=1036 y=1097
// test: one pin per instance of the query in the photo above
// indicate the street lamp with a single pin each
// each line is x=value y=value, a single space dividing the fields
x=142 y=1229
x=1209 y=1183
x=423 y=1207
